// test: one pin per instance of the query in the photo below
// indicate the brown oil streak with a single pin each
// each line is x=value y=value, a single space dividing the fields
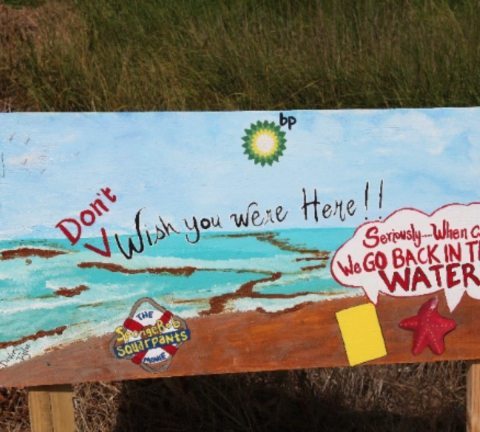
x=93 y=305
x=116 y=268
x=315 y=267
x=218 y=303
x=285 y=311
x=321 y=258
x=260 y=295
x=193 y=301
x=271 y=237
x=71 y=292
x=25 y=252
x=34 y=337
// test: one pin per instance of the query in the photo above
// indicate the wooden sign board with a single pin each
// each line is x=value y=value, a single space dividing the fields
x=166 y=244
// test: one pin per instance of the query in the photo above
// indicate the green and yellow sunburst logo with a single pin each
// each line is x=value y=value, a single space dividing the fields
x=264 y=142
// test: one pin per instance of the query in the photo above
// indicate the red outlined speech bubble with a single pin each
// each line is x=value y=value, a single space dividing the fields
x=413 y=254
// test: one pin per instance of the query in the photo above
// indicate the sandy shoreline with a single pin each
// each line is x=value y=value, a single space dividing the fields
x=305 y=336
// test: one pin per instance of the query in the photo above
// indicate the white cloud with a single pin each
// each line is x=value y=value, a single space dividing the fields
x=180 y=164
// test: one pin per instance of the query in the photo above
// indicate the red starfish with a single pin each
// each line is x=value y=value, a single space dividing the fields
x=430 y=328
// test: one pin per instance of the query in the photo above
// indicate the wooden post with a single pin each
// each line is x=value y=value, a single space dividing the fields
x=51 y=409
x=473 y=396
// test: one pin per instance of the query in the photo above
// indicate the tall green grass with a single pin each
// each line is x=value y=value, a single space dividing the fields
x=264 y=54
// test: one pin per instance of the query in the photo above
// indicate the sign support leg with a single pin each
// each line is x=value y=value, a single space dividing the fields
x=51 y=408
x=473 y=396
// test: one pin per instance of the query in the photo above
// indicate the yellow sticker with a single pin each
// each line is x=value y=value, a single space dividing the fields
x=361 y=333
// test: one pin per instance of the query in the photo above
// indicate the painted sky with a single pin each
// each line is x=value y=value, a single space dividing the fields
x=178 y=165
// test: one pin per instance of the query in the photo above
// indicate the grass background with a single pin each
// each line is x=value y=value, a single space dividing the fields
x=114 y=55
x=111 y=55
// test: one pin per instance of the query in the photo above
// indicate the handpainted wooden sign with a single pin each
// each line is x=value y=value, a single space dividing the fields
x=163 y=244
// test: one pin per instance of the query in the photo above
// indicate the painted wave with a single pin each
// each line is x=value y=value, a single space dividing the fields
x=53 y=293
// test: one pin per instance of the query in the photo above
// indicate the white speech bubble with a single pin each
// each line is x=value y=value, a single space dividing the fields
x=413 y=254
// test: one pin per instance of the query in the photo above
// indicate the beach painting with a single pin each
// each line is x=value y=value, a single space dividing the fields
x=138 y=245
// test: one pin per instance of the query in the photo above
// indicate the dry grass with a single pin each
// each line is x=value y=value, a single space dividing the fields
x=16 y=28
x=421 y=397
x=109 y=55
x=23 y=32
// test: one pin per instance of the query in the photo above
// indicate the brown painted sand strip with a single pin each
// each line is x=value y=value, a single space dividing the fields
x=25 y=252
x=116 y=268
x=71 y=292
x=34 y=337
x=306 y=337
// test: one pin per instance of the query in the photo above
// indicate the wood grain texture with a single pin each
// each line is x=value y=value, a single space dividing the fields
x=51 y=409
x=40 y=409
x=63 y=414
x=305 y=337
x=473 y=397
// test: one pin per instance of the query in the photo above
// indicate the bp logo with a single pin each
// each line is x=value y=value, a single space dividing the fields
x=264 y=142
x=149 y=337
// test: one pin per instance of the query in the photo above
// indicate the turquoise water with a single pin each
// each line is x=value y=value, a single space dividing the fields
x=223 y=263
